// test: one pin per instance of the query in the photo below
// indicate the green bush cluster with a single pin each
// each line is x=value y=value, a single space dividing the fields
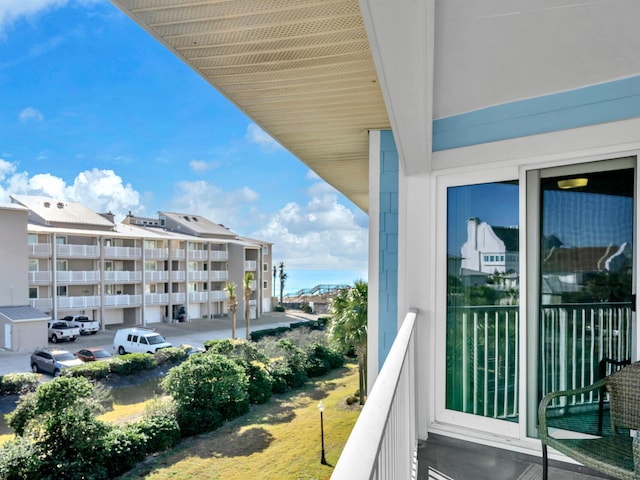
x=15 y=383
x=59 y=435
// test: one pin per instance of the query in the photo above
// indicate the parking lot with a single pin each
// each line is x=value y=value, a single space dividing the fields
x=193 y=333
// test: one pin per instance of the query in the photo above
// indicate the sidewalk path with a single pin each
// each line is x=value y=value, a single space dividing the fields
x=193 y=333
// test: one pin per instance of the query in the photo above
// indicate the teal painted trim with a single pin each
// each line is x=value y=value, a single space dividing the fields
x=607 y=102
x=388 y=250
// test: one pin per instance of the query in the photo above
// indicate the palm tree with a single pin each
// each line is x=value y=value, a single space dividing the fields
x=283 y=278
x=230 y=290
x=348 y=327
x=274 y=280
x=248 y=280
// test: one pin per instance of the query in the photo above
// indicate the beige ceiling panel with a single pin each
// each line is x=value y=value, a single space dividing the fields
x=300 y=69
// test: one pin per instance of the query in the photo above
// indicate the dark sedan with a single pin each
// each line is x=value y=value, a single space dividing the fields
x=92 y=354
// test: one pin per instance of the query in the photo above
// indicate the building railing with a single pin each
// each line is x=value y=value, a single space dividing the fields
x=90 y=301
x=122 y=252
x=66 y=250
x=219 y=255
x=70 y=276
x=40 y=249
x=156 y=275
x=122 y=300
x=483 y=359
x=250 y=265
x=122 y=276
x=40 y=276
x=384 y=441
x=156 y=253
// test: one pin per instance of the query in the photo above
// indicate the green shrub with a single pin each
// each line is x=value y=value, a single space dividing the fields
x=296 y=359
x=19 y=459
x=14 y=383
x=279 y=308
x=321 y=359
x=173 y=355
x=222 y=347
x=207 y=389
x=280 y=372
x=268 y=332
x=132 y=363
x=160 y=425
x=260 y=383
x=91 y=370
x=124 y=447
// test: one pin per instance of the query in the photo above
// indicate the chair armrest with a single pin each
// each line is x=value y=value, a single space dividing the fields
x=542 y=408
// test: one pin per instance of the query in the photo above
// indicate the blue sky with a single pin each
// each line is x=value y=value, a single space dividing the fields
x=94 y=110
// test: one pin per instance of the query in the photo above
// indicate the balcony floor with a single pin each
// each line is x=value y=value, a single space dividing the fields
x=445 y=458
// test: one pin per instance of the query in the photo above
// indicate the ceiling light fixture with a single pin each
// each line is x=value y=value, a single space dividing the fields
x=572 y=183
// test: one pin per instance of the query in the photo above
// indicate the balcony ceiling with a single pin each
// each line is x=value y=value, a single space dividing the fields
x=301 y=69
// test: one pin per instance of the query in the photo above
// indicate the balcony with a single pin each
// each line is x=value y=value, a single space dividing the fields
x=156 y=276
x=198 y=255
x=122 y=252
x=122 y=300
x=156 y=298
x=219 y=255
x=156 y=253
x=89 y=301
x=199 y=297
x=250 y=265
x=178 y=297
x=39 y=250
x=41 y=303
x=217 y=295
x=78 y=251
x=383 y=443
x=199 y=276
x=124 y=276
x=70 y=277
x=40 y=277
x=177 y=254
x=218 y=275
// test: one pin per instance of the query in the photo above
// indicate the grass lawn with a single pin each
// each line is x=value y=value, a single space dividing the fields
x=279 y=440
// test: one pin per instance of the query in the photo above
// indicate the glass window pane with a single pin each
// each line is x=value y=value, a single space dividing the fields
x=482 y=299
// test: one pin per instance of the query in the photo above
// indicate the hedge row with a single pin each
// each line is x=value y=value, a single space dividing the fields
x=319 y=324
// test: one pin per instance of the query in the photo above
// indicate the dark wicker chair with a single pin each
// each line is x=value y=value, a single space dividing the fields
x=618 y=454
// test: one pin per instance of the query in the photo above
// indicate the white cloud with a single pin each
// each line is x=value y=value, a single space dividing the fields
x=256 y=135
x=99 y=190
x=10 y=10
x=322 y=234
x=30 y=114
x=199 y=166
x=231 y=208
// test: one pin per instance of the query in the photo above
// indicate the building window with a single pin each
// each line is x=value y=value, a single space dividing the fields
x=265 y=267
x=265 y=250
x=32 y=239
x=61 y=291
x=33 y=292
x=61 y=265
x=265 y=285
x=33 y=265
x=150 y=266
x=61 y=240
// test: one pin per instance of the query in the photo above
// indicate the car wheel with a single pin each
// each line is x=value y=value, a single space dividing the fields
x=34 y=368
x=121 y=350
x=93 y=333
x=56 y=373
x=54 y=338
x=72 y=339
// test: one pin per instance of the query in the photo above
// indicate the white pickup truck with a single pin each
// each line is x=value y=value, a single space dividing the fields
x=61 y=330
x=83 y=322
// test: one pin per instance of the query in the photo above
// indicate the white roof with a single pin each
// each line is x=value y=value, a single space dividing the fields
x=56 y=211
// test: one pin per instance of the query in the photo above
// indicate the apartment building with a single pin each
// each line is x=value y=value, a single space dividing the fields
x=139 y=272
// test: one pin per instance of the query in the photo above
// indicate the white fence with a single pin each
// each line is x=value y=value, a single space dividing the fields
x=384 y=442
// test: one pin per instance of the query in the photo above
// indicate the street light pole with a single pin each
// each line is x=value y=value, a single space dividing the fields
x=323 y=461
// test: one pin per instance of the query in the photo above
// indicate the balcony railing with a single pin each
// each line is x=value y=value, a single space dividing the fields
x=122 y=276
x=40 y=276
x=90 y=301
x=198 y=254
x=156 y=276
x=82 y=251
x=122 y=252
x=250 y=265
x=199 y=275
x=156 y=298
x=122 y=300
x=219 y=275
x=39 y=249
x=483 y=352
x=384 y=441
x=90 y=276
x=156 y=253
x=219 y=255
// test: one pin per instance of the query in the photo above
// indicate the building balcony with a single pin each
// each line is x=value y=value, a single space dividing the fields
x=199 y=276
x=40 y=277
x=178 y=254
x=218 y=275
x=71 y=277
x=156 y=253
x=122 y=252
x=78 y=251
x=199 y=297
x=177 y=298
x=41 y=303
x=39 y=250
x=218 y=255
x=250 y=265
x=122 y=300
x=156 y=276
x=89 y=301
x=122 y=276
x=178 y=276
x=217 y=295
x=384 y=444
x=198 y=255
x=156 y=298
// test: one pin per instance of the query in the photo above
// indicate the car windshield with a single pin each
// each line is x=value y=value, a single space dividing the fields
x=64 y=356
x=101 y=354
x=155 y=339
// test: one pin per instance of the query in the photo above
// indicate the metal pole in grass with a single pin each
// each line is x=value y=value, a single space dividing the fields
x=323 y=460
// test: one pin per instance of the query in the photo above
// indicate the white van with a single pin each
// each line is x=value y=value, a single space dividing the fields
x=138 y=340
